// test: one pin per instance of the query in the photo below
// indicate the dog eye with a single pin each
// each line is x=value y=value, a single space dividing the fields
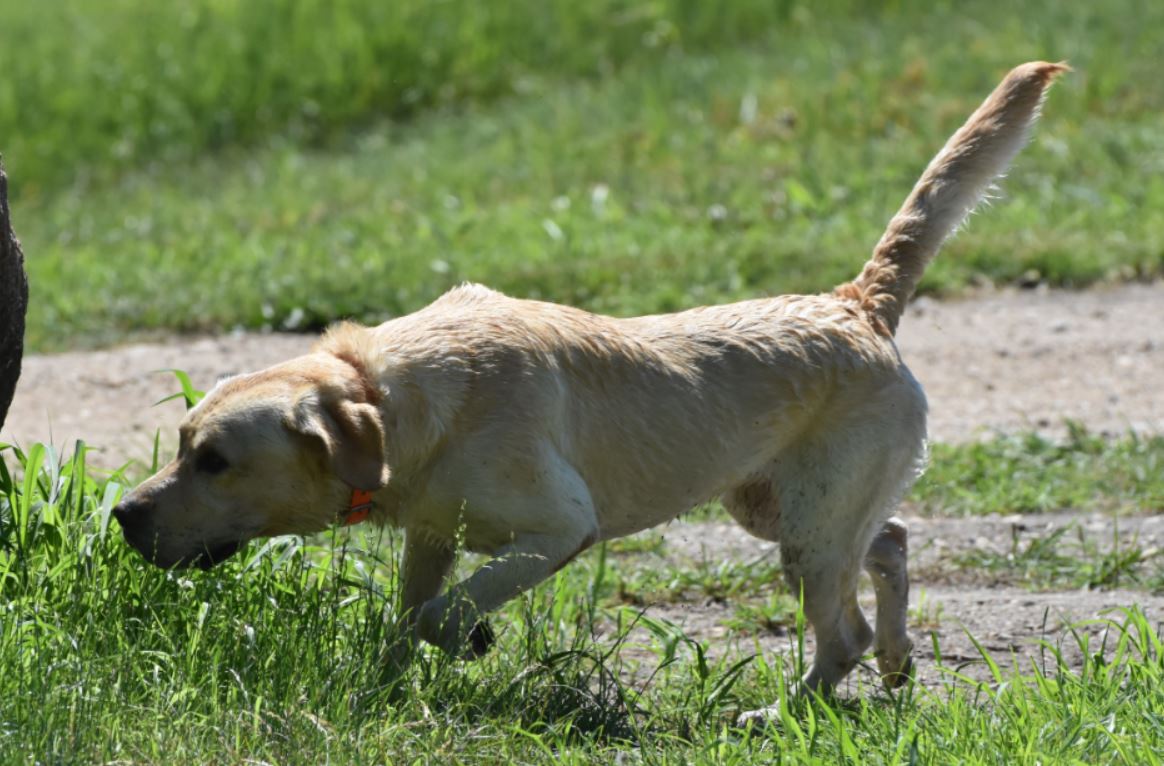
x=211 y=462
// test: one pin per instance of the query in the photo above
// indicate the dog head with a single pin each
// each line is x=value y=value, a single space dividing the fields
x=269 y=453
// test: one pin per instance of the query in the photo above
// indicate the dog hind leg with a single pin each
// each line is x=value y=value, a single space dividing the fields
x=822 y=567
x=824 y=500
x=821 y=561
x=887 y=565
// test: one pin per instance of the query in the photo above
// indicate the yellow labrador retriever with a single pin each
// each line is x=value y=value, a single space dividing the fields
x=543 y=429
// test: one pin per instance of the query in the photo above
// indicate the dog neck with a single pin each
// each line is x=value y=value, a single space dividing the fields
x=415 y=381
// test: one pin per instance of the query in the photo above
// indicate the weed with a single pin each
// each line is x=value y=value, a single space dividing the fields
x=925 y=614
x=774 y=614
x=1056 y=560
x=716 y=580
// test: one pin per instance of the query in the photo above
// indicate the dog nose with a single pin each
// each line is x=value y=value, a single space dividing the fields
x=131 y=511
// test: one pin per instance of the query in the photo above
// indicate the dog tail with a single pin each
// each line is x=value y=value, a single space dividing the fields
x=956 y=179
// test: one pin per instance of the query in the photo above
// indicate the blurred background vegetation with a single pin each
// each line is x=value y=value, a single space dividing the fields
x=217 y=164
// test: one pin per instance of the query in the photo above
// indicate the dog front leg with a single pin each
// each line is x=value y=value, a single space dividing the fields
x=446 y=621
x=427 y=561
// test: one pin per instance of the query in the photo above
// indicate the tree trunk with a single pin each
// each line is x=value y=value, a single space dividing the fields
x=13 y=303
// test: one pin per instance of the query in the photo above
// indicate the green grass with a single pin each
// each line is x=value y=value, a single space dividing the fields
x=699 y=580
x=756 y=153
x=277 y=656
x=1031 y=474
x=93 y=87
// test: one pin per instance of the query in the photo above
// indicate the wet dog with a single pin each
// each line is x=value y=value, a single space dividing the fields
x=541 y=429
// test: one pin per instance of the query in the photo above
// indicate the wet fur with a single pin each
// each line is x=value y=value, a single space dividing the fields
x=541 y=429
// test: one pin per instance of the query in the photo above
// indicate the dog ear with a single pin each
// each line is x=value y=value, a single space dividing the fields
x=352 y=435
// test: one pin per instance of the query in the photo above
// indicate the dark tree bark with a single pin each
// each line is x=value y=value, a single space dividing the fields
x=13 y=303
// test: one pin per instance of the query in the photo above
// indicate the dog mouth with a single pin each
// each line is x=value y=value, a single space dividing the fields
x=212 y=555
x=208 y=556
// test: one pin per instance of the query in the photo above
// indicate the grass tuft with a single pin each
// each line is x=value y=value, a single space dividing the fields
x=1029 y=473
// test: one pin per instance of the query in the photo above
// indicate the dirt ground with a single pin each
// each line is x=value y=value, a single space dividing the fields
x=950 y=602
x=998 y=361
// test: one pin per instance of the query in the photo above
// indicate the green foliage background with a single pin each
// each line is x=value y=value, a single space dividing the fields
x=208 y=165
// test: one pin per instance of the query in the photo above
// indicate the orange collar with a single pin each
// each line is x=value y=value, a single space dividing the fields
x=358 y=508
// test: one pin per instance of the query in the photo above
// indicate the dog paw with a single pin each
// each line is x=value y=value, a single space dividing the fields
x=897 y=679
x=758 y=719
x=896 y=668
x=440 y=623
x=480 y=639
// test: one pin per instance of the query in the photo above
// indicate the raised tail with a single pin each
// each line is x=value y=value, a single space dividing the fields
x=951 y=186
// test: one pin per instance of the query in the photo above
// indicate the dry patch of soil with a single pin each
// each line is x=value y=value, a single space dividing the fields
x=950 y=599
